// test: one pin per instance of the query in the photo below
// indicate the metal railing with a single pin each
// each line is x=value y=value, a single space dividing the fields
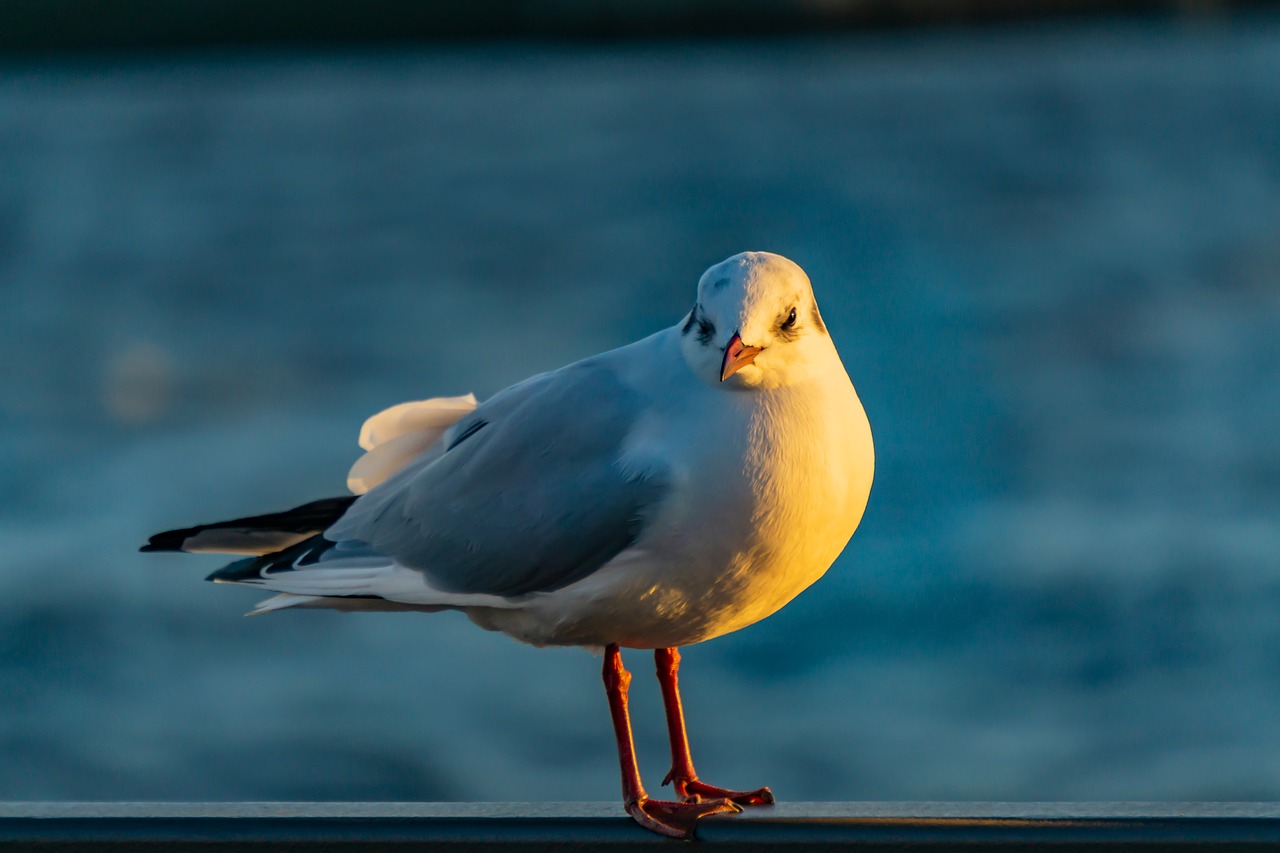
x=1060 y=827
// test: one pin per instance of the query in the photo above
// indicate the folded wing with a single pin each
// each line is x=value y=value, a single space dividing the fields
x=530 y=493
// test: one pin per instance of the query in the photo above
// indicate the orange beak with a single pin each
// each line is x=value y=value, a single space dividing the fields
x=736 y=356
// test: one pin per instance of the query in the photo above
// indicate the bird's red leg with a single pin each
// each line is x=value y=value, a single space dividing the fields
x=682 y=776
x=665 y=818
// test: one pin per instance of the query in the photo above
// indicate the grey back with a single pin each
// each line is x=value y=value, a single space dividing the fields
x=527 y=497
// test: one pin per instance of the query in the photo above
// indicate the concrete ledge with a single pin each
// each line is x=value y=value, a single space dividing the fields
x=1061 y=827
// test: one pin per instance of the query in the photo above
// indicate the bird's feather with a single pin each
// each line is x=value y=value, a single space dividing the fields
x=397 y=436
x=531 y=494
x=257 y=534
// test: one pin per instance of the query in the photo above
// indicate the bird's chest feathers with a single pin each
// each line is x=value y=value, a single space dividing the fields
x=775 y=512
x=795 y=473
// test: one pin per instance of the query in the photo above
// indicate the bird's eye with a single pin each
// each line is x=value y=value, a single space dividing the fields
x=790 y=321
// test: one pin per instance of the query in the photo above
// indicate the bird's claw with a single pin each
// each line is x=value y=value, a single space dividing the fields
x=695 y=790
x=676 y=819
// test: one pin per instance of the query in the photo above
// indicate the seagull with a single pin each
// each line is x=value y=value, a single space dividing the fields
x=651 y=497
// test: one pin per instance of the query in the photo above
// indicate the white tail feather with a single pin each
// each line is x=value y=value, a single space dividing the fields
x=387 y=458
x=396 y=436
x=417 y=415
x=280 y=602
x=326 y=585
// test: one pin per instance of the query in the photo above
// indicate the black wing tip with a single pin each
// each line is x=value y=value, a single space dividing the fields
x=169 y=540
x=250 y=568
x=307 y=518
x=240 y=570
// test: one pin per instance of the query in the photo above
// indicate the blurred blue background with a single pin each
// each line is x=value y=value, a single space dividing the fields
x=1049 y=254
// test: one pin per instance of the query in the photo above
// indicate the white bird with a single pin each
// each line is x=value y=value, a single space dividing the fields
x=650 y=497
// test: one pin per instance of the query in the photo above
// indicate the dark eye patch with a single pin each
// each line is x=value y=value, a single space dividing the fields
x=817 y=320
x=787 y=326
x=706 y=329
x=688 y=324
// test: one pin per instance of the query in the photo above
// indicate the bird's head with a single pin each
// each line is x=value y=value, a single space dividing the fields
x=755 y=324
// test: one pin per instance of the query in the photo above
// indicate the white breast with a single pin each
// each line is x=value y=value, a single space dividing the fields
x=765 y=496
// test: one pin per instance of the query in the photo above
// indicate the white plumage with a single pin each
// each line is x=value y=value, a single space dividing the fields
x=396 y=436
x=761 y=480
x=654 y=496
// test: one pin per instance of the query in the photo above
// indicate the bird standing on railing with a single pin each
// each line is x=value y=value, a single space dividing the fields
x=651 y=497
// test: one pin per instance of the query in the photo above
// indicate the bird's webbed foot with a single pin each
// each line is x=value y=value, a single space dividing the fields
x=693 y=790
x=676 y=819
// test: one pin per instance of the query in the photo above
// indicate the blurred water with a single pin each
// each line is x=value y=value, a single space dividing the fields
x=1051 y=260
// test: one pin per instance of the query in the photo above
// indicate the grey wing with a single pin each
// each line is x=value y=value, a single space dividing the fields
x=530 y=494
